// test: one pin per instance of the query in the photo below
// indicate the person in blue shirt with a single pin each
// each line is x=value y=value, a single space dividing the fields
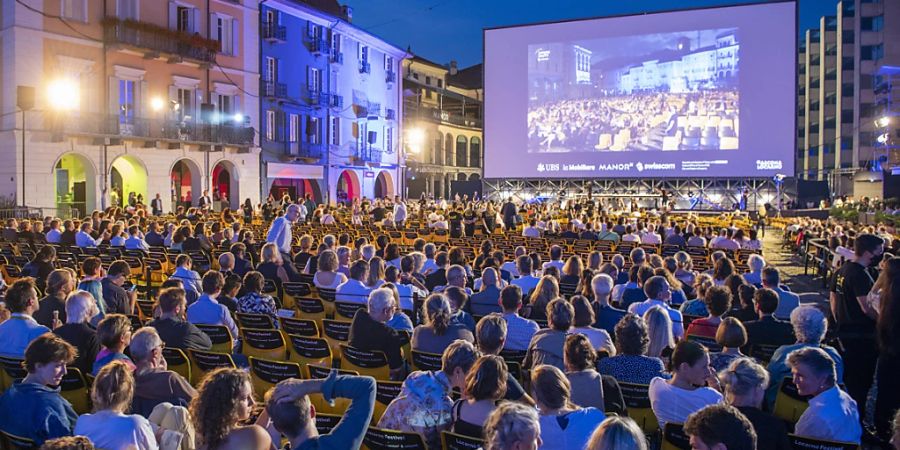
x=21 y=328
x=206 y=310
x=289 y=409
x=189 y=278
x=31 y=408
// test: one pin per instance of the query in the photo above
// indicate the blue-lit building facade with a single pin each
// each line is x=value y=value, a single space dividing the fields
x=330 y=105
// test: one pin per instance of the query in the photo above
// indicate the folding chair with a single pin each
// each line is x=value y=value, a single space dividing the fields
x=265 y=344
x=311 y=309
x=385 y=393
x=265 y=374
x=339 y=405
x=707 y=342
x=674 y=437
x=637 y=402
x=346 y=310
x=310 y=350
x=258 y=321
x=789 y=404
x=326 y=422
x=453 y=441
x=381 y=439
x=426 y=361
x=336 y=333
x=10 y=441
x=366 y=362
x=204 y=362
x=177 y=361
x=801 y=443
x=220 y=335
x=299 y=327
x=11 y=370
x=74 y=388
x=291 y=291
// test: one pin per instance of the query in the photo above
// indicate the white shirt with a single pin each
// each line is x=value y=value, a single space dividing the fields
x=352 y=291
x=833 y=416
x=557 y=263
x=510 y=266
x=631 y=238
x=136 y=243
x=428 y=267
x=532 y=232
x=598 y=337
x=400 y=212
x=674 y=314
x=116 y=431
x=526 y=283
x=672 y=404
x=280 y=234
x=651 y=238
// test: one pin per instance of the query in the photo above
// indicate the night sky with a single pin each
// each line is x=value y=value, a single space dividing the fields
x=444 y=30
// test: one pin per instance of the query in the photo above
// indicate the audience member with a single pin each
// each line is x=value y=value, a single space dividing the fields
x=519 y=330
x=720 y=427
x=547 y=345
x=368 y=331
x=437 y=332
x=485 y=384
x=631 y=365
x=171 y=325
x=744 y=383
x=731 y=335
x=832 y=414
x=108 y=427
x=223 y=403
x=583 y=323
x=21 y=328
x=512 y=426
x=154 y=383
x=693 y=385
x=563 y=424
x=617 y=433
x=80 y=308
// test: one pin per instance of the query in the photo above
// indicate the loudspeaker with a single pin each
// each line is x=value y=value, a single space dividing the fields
x=25 y=97
x=373 y=137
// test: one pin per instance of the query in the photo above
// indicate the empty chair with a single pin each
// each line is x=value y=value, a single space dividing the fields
x=366 y=362
x=265 y=374
x=265 y=344
x=203 y=362
x=309 y=350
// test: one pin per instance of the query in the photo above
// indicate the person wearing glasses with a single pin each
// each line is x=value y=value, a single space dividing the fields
x=114 y=332
x=154 y=383
x=659 y=293
x=369 y=331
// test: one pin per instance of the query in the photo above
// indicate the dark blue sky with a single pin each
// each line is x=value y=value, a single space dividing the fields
x=442 y=30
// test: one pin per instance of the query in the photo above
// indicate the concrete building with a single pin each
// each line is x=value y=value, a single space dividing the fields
x=129 y=96
x=846 y=69
x=444 y=128
x=331 y=105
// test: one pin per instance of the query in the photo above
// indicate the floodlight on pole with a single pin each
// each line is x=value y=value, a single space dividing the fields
x=883 y=122
x=157 y=103
x=63 y=94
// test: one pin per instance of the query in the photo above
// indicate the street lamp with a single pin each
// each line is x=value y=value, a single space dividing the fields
x=883 y=122
x=63 y=94
x=415 y=137
x=157 y=104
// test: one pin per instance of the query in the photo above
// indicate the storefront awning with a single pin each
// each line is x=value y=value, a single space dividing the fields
x=295 y=171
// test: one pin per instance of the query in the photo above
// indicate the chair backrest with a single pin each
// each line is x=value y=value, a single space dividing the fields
x=805 y=443
x=11 y=369
x=381 y=439
x=366 y=362
x=309 y=350
x=264 y=343
x=674 y=437
x=291 y=291
x=453 y=441
x=426 y=361
x=299 y=327
x=707 y=342
x=346 y=310
x=789 y=404
x=326 y=422
x=265 y=374
x=220 y=335
x=763 y=353
x=177 y=361
x=338 y=405
x=311 y=308
x=637 y=402
x=260 y=321
x=74 y=388
x=12 y=442
x=203 y=362
x=385 y=393
x=336 y=332
x=145 y=307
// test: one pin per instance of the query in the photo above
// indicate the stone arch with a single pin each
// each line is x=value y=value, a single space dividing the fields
x=462 y=151
x=348 y=187
x=384 y=185
x=448 y=150
x=75 y=180
x=185 y=180
x=128 y=174
x=475 y=152
x=225 y=179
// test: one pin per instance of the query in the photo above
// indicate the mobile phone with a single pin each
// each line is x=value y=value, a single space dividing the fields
x=55 y=315
x=132 y=288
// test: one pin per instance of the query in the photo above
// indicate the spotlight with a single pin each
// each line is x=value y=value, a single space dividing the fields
x=63 y=94
x=157 y=103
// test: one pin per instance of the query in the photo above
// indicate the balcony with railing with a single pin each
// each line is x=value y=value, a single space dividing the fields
x=336 y=57
x=272 y=32
x=306 y=150
x=390 y=76
x=272 y=89
x=367 y=153
x=187 y=131
x=365 y=67
x=413 y=110
x=316 y=97
x=336 y=101
x=373 y=109
x=159 y=40
x=318 y=46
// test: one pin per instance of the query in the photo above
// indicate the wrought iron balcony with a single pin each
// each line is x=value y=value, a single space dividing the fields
x=273 y=32
x=306 y=150
x=315 y=97
x=337 y=57
x=318 y=46
x=414 y=110
x=272 y=89
x=366 y=153
x=115 y=126
x=159 y=40
x=336 y=101
x=365 y=67
x=390 y=76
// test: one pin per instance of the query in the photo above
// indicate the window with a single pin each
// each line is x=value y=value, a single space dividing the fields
x=415 y=75
x=871 y=52
x=127 y=9
x=388 y=63
x=312 y=130
x=271 y=16
x=388 y=139
x=185 y=99
x=127 y=102
x=314 y=80
x=184 y=19
x=874 y=23
x=335 y=130
x=293 y=127
x=225 y=105
x=223 y=31
x=428 y=80
x=271 y=69
x=847 y=116
x=270 y=125
x=440 y=82
x=313 y=31
x=847 y=36
x=74 y=10
x=335 y=43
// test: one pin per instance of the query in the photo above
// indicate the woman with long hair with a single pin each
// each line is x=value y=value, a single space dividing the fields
x=485 y=385
x=224 y=400
x=618 y=433
x=546 y=290
x=888 y=346
x=571 y=270
x=438 y=331
x=659 y=330
x=376 y=273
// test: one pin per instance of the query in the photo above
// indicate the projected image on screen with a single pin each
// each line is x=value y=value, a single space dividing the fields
x=676 y=91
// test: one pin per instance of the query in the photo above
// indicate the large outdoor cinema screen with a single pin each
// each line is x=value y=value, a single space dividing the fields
x=693 y=93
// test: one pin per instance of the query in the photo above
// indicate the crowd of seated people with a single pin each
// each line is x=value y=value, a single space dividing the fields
x=533 y=346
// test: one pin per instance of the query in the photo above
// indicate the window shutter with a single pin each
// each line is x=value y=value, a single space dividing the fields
x=143 y=101
x=235 y=32
x=114 y=96
x=173 y=15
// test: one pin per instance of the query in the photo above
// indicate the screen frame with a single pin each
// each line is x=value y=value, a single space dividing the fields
x=796 y=52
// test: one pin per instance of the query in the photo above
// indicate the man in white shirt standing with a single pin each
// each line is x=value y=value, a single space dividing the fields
x=399 y=211
x=281 y=235
x=659 y=293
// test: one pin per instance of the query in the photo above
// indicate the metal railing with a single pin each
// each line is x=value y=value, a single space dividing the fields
x=413 y=110
x=160 y=39
x=274 y=32
x=160 y=129
x=820 y=258
x=272 y=89
x=30 y=212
